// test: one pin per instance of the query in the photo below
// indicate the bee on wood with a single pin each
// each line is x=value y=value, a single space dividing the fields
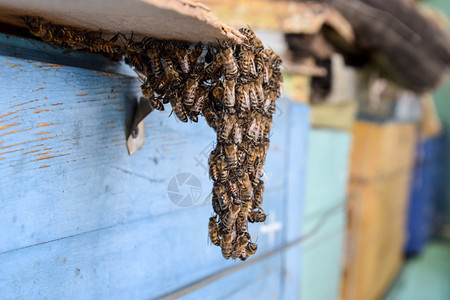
x=245 y=187
x=177 y=107
x=40 y=28
x=225 y=131
x=258 y=195
x=229 y=94
x=132 y=46
x=230 y=215
x=239 y=246
x=214 y=231
x=257 y=216
x=231 y=155
x=226 y=245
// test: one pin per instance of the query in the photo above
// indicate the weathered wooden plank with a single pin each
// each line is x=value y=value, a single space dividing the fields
x=188 y=20
x=37 y=50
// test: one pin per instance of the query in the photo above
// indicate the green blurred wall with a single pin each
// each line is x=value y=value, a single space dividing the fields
x=442 y=100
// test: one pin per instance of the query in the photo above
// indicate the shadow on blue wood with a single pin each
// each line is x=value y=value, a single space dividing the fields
x=427 y=193
x=82 y=219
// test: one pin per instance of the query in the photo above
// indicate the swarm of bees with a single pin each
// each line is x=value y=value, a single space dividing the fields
x=233 y=86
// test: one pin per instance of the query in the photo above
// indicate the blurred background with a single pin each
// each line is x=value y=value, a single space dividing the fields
x=374 y=74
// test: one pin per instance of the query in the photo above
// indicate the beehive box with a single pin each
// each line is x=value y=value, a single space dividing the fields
x=324 y=215
x=83 y=219
x=381 y=163
x=426 y=193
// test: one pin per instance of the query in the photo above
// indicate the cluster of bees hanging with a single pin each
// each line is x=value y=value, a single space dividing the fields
x=233 y=86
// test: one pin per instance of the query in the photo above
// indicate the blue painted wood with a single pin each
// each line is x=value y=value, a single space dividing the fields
x=82 y=219
x=427 y=189
x=324 y=213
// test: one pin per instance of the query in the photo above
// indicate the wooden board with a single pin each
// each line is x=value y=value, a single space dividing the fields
x=376 y=235
x=380 y=149
x=83 y=219
x=172 y=19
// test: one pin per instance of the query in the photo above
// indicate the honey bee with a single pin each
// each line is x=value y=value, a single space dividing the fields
x=215 y=204
x=241 y=222
x=39 y=27
x=251 y=248
x=231 y=155
x=153 y=56
x=222 y=169
x=239 y=246
x=147 y=92
x=195 y=53
x=213 y=172
x=132 y=46
x=258 y=195
x=237 y=133
x=170 y=71
x=214 y=231
x=254 y=41
x=228 y=123
x=230 y=215
x=243 y=98
x=246 y=59
x=267 y=122
x=226 y=245
x=198 y=103
x=241 y=155
x=234 y=189
x=222 y=196
x=218 y=93
x=177 y=107
x=253 y=97
x=253 y=129
x=251 y=158
x=260 y=64
x=179 y=52
x=257 y=216
x=190 y=89
x=210 y=115
x=229 y=94
x=245 y=187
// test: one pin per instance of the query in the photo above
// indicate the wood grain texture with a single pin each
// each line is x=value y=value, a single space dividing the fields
x=170 y=19
x=83 y=219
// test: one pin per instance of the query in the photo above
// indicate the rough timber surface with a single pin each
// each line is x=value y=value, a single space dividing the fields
x=83 y=219
x=170 y=19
